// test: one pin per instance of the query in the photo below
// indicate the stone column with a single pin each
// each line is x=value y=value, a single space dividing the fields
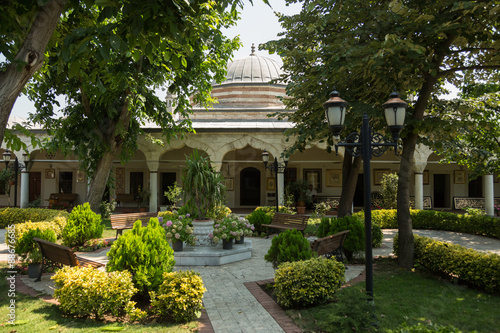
x=419 y=185
x=153 y=185
x=281 y=189
x=489 y=202
x=25 y=187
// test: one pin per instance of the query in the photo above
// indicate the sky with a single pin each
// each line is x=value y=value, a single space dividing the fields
x=258 y=24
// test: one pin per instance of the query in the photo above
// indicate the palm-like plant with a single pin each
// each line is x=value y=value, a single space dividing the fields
x=202 y=185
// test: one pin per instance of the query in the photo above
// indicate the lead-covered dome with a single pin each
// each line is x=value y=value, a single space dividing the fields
x=253 y=69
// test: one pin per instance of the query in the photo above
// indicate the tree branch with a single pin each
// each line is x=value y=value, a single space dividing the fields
x=465 y=68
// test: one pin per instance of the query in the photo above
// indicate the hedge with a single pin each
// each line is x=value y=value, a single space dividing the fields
x=481 y=225
x=9 y=216
x=478 y=269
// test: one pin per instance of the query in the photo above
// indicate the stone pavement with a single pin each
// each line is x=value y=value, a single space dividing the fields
x=230 y=305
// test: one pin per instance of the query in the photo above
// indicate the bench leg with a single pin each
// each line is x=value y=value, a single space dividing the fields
x=118 y=233
x=39 y=278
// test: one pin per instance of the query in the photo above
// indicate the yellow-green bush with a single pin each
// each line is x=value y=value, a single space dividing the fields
x=9 y=216
x=23 y=228
x=478 y=269
x=82 y=225
x=308 y=282
x=179 y=297
x=219 y=213
x=168 y=215
x=87 y=291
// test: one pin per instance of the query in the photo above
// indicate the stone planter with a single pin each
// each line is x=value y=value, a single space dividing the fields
x=201 y=230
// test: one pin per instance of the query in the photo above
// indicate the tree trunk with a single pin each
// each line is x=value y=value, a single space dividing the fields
x=406 y=243
x=13 y=80
x=98 y=182
x=350 y=172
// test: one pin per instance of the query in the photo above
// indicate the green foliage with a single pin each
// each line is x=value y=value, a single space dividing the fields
x=82 y=225
x=202 y=184
x=428 y=328
x=219 y=212
x=289 y=245
x=377 y=236
x=300 y=191
x=28 y=249
x=308 y=282
x=23 y=228
x=143 y=251
x=475 y=268
x=350 y=312
x=355 y=240
x=174 y=194
x=259 y=217
x=481 y=225
x=87 y=292
x=106 y=208
x=389 y=190
x=179 y=297
x=10 y=216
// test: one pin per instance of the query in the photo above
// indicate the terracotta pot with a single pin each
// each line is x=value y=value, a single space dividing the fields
x=332 y=212
x=301 y=210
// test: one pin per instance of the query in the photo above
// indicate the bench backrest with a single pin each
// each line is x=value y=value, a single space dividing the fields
x=56 y=252
x=126 y=197
x=282 y=218
x=119 y=220
x=329 y=243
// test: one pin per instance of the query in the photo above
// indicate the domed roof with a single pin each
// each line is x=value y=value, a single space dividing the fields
x=253 y=69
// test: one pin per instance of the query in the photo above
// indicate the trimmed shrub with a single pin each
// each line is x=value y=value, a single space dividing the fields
x=27 y=247
x=377 y=236
x=289 y=245
x=143 y=251
x=259 y=217
x=87 y=291
x=23 y=228
x=179 y=297
x=355 y=240
x=478 y=269
x=308 y=282
x=481 y=225
x=82 y=225
x=9 y=216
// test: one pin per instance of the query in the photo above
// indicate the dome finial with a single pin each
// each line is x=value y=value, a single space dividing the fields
x=253 y=50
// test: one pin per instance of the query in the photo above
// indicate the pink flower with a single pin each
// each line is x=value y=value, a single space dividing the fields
x=169 y=223
x=188 y=215
x=177 y=236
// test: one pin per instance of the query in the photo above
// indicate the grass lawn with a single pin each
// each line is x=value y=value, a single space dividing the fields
x=35 y=315
x=403 y=296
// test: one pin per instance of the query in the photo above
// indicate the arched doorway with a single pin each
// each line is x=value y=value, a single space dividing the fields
x=250 y=187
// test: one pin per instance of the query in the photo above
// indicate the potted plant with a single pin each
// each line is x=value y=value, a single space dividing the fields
x=29 y=250
x=300 y=192
x=173 y=195
x=227 y=230
x=179 y=230
x=202 y=185
x=143 y=198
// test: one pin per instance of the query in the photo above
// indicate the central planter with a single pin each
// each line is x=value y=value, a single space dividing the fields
x=201 y=230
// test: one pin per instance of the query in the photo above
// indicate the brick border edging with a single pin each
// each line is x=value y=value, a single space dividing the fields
x=286 y=323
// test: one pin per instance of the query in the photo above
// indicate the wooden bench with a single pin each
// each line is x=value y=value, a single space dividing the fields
x=125 y=197
x=283 y=221
x=61 y=254
x=60 y=198
x=120 y=222
x=330 y=245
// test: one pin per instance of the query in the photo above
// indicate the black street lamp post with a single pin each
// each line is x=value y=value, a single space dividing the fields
x=367 y=144
x=276 y=168
x=16 y=167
